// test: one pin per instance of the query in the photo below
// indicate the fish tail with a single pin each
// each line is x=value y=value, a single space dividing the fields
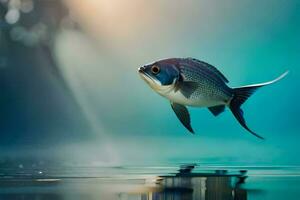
x=241 y=94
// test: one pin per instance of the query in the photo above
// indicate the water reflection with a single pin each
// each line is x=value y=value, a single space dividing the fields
x=121 y=183
x=190 y=182
x=186 y=185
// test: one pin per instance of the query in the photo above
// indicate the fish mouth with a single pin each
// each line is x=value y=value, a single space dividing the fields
x=141 y=69
x=143 y=74
x=146 y=76
x=148 y=79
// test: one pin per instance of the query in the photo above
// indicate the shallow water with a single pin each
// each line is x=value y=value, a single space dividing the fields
x=188 y=182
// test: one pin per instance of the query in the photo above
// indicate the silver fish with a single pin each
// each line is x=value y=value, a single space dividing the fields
x=191 y=82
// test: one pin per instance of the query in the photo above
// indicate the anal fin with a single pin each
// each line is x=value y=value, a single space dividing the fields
x=216 y=110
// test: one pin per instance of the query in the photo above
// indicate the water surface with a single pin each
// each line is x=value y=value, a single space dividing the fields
x=189 y=181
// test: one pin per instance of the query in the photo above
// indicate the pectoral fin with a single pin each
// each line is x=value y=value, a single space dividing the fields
x=183 y=115
x=216 y=110
x=187 y=88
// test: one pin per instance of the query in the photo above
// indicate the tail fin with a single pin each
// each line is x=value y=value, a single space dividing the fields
x=240 y=95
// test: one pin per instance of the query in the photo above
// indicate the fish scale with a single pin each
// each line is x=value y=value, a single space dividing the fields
x=208 y=89
x=205 y=67
x=211 y=76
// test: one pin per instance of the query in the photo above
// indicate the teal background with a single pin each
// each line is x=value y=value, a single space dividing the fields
x=127 y=123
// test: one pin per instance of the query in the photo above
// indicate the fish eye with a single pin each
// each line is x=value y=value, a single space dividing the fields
x=155 y=69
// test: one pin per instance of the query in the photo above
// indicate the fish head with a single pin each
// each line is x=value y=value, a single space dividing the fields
x=160 y=76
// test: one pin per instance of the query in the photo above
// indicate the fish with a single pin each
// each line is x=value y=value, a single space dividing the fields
x=192 y=82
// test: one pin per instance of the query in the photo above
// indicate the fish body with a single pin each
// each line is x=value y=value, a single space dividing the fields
x=211 y=87
x=191 y=82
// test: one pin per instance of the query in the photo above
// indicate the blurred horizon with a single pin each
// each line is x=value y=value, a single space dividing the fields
x=71 y=92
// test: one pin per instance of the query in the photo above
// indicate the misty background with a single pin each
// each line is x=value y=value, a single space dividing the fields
x=70 y=92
